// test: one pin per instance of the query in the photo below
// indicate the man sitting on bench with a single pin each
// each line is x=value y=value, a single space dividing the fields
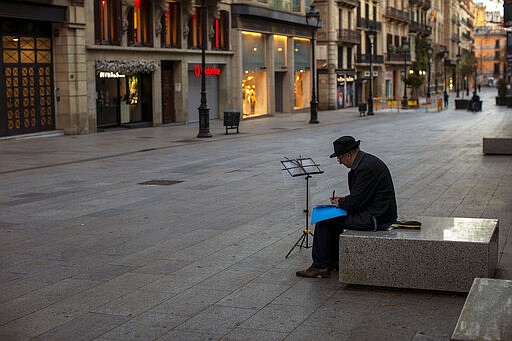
x=370 y=206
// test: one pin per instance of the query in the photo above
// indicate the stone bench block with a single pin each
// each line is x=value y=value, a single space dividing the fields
x=487 y=312
x=497 y=146
x=445 y=254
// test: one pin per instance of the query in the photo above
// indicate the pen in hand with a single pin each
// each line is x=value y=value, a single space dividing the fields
x=333 y=200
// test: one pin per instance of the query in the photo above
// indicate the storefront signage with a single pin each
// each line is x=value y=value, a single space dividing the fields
x=210 y=71
x=111 y=75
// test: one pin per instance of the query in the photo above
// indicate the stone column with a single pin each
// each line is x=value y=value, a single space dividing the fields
x=70 y=73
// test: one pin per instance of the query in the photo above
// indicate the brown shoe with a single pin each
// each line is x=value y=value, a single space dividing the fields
x=312 y=272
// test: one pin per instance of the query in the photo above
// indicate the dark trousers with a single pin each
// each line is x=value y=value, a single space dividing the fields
x=326 y=244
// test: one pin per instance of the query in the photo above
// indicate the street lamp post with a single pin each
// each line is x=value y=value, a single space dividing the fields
x=445 y=55
x=457 y=81
x=204 y=110
x=429 y=52
x=313 y=20
x=405 y=48
x=476 y=74
x=372 y=33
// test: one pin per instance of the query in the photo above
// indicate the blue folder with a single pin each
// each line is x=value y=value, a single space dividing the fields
x=324 y=212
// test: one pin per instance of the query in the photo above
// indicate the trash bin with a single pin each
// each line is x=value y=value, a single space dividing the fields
x=231 y=120
x=362 y=109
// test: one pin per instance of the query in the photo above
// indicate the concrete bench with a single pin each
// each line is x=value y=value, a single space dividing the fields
x=487 y=312
x=445 y=254
x=497 y=145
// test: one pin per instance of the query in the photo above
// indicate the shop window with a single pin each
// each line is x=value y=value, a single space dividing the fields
x=280 y=52
x=302 y=80
x=195 y=35
x=221 y=36
x=140 y=23
x=253 y=49
x=254 y=82
x=107 y=22
x=171 y=25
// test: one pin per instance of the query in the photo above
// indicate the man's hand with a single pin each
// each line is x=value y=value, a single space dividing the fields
x=334 y=201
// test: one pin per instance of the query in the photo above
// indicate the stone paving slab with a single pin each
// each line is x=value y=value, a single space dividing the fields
x=88 y=252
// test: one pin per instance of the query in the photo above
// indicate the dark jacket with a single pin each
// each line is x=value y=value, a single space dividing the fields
x=372 y=195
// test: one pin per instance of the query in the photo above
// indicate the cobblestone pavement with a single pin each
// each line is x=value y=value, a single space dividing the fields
x=89 y=251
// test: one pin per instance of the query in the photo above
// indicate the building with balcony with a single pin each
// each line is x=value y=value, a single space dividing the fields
x=490 y=42
x=369 y=54
x=398 y=47
x=338 y=40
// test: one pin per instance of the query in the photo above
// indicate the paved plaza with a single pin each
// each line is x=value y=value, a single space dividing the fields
x=151 y=233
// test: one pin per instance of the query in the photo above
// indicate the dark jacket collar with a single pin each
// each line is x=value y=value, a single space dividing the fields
x=358 y=159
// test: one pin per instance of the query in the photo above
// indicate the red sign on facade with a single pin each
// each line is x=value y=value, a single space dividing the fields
x=210 y=71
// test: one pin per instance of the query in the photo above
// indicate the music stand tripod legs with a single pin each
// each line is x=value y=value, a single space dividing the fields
x=306 y=232
x=302 y=167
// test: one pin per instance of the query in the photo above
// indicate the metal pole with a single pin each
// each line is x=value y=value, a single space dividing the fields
x=314 y=101
x=457 y=79
x=404 y=99
x=444 y=71
x=428 y=81
x=204 y=110
x=370 y=93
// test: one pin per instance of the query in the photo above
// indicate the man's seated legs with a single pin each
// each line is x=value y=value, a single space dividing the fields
x=325 y=248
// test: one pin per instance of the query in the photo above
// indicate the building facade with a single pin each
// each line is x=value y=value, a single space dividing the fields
x=42 y=67
x=81 y=66
x=144 y=61
x=490 y=42
x=272 y=58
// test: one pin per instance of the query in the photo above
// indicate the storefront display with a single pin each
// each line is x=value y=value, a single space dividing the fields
x=254 y=78
x=121 y=99
x=345 y=91
x=302 y=80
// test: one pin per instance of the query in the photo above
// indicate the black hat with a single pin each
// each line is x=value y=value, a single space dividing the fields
x=344 y=144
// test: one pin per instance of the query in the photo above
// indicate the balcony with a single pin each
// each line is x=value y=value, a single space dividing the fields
x=365 y=58
x=416 y=2
x=454 y=19
x=417 y=27
x=346 y=36
x=396 y=14
x=397 y=58
x=426 y=4
x=469 y=23
x=365 y=23
x=348 y=3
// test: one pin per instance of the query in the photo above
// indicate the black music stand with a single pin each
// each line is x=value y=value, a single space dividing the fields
x=302 y=167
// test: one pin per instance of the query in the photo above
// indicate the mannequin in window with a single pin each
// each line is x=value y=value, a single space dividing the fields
x=252 y=98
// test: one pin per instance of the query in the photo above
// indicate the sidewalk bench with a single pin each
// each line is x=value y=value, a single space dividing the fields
x=497 y=145
x=445 y=254
x=487 y=312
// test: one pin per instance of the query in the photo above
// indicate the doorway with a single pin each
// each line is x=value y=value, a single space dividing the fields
x=168 y=102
